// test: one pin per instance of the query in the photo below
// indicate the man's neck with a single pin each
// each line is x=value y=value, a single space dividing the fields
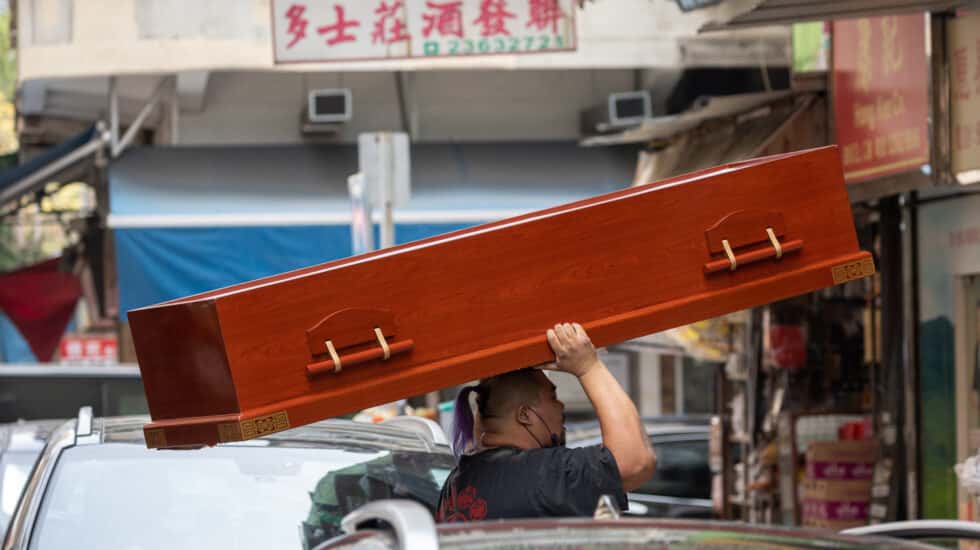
x=491 y=439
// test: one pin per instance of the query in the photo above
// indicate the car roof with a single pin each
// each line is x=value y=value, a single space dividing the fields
x=656 y=427
x=647 y=531
x=345 y=434
x=26 y=435
x=604 y=533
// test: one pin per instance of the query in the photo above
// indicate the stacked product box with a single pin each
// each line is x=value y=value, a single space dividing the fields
x=836 y=491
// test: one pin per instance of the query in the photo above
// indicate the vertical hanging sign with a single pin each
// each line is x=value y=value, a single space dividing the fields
x=964 y=51
x=881 y=94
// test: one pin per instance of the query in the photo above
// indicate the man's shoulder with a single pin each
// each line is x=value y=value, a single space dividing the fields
x=566 y=457
x=512 y=455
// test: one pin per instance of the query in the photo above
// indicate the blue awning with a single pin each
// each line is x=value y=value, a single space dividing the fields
x=191 y=219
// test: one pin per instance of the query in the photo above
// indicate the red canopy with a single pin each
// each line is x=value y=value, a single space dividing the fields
x=40 y=300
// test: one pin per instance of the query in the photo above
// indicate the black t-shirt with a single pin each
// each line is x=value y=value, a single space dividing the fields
x=506 y=482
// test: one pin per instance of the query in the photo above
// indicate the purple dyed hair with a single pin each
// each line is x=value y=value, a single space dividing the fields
x=515 y=384
x=463 y=421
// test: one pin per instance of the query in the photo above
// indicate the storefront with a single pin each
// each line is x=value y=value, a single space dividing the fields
x=949 y=289
x=908 y=379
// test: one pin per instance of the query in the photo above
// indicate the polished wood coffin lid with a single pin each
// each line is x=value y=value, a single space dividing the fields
x=279 y=352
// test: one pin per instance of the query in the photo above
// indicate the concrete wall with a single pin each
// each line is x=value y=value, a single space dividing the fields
x=440 y=106
x=61 y=38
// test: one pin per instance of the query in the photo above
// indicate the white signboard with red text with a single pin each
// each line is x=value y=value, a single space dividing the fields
x=89 y=349
x=306 y=31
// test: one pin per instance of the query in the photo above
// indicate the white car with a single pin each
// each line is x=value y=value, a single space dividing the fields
x=97 y=486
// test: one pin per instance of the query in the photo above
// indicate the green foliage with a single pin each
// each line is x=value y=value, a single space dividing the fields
x=8 y=60
x=14 y=254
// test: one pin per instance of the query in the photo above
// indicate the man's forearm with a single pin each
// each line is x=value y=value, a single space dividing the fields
x=622 y=431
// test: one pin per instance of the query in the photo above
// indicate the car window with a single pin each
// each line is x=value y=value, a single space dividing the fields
x=234 y=497
x=682 y=470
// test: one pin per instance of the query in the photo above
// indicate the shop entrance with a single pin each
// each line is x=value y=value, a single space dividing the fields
x=968 y=373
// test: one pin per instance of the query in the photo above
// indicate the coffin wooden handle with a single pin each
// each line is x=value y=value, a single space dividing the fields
x=352 y=337
x=733 y=261
x=743 y=229
x=336 y=363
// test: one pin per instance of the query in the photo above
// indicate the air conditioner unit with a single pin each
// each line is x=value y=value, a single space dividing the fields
x=333 y=105
x=326 y=110
x=620 y=110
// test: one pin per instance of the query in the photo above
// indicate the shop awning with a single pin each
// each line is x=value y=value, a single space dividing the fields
x=191 y=219
x=734 y=14
x=32 y=175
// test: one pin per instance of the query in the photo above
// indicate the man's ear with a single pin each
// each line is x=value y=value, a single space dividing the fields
x=522 y=415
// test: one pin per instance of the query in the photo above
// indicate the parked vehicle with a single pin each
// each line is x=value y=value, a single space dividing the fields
x=681 y=486
x=388 y=525
x=20 y=445
x=96 y=485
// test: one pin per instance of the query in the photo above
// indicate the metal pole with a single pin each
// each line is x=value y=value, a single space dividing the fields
x=174 y=113
x=137 y=124
x=361 y=225
x=113 y=114
x=939 y=93
x=388 y=226
x=890 y=421
x=387 y=191
x=910 y=299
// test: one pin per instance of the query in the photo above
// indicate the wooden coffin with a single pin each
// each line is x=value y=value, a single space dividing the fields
x=283 y=351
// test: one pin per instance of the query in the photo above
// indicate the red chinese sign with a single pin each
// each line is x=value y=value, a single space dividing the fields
x=881 y=95
x=352 y=30
x=89 y=349
x=964 y=49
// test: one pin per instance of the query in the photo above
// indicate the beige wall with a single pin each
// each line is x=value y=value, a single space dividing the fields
x=442 y=106
x=61 y=38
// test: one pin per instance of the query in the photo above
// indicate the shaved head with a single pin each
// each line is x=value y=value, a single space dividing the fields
x=499 y=395
x=516 y=408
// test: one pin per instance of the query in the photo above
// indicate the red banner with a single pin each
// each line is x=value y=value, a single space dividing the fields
x=881 y=94
x=40 y=300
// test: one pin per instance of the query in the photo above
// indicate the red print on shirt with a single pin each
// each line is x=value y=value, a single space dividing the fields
x=461 y=506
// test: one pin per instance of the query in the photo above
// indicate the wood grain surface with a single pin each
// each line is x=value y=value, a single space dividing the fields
x=230 y=363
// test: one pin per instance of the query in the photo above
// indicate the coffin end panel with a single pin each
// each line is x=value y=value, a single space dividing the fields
x=197 y=432
x=182 y=361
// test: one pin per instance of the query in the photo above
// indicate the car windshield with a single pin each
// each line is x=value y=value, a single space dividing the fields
x=230 y=497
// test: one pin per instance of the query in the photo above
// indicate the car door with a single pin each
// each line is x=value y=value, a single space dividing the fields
x=681 y=486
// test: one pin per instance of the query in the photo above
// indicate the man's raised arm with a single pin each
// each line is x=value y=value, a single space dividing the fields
x=622 y=432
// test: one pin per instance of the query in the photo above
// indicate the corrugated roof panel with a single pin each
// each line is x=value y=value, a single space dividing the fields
x=735 y=14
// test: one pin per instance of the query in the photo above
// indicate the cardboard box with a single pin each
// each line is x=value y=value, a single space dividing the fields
x=835 y=504
x=836 y=490
x=841 y=451
x=840 y=460
x=836 y=510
